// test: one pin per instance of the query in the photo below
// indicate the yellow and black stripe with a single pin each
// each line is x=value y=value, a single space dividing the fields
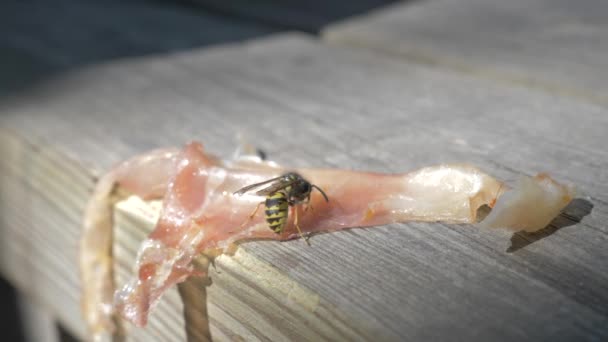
x=277 y=210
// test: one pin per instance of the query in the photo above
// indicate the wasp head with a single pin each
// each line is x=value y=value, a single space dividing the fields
x=300 y=189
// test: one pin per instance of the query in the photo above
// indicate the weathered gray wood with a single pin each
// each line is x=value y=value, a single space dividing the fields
x=556 y=45
x=41 y=201
x=308 y=104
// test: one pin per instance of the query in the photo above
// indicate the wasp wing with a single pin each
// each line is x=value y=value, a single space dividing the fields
x=279 y=185
x=256 y=185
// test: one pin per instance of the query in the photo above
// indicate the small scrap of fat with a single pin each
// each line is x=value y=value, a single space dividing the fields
x=531 y=205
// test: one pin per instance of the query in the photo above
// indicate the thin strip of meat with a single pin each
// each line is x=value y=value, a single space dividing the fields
x=201 y=213
x=146 y=176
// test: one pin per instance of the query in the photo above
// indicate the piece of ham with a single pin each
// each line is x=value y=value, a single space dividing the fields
x=200 y=213
x=146 y=176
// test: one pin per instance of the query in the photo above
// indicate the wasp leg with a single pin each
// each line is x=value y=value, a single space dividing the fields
x=252 y=215
x=295 y=222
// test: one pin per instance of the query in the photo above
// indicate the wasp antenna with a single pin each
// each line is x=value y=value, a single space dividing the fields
x=321 y=191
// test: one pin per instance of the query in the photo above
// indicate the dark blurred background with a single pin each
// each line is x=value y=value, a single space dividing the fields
x=39 y=38
x=42 y=38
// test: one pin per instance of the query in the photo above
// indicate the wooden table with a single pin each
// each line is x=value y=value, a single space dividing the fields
x=339 y=101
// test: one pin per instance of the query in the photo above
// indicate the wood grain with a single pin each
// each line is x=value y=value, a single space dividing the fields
x=308 y=104
x=556 y=46
x=42 y=201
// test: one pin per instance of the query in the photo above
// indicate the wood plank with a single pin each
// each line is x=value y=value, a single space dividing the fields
x=553 y=45
x=41 y=209
x=317 y=105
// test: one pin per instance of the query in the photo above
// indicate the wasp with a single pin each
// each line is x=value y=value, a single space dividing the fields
x=283 y=192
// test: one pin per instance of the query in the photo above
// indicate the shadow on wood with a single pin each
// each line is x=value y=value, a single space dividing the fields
x=308 y=16
x=571 y=215
x=41 y=40
x=193 y=293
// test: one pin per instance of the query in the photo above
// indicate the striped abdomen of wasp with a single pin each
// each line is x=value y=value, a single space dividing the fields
x=283 y=192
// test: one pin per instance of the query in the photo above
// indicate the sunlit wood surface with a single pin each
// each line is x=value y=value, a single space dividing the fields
x=345 y=100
